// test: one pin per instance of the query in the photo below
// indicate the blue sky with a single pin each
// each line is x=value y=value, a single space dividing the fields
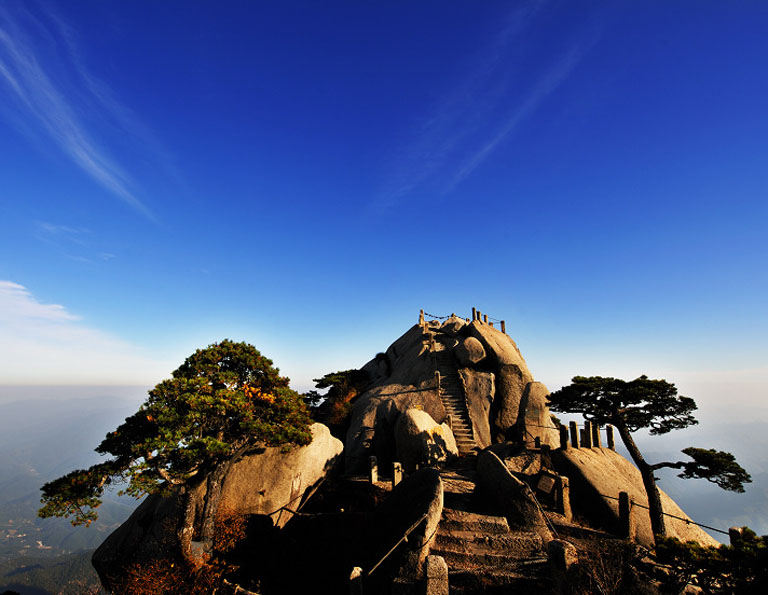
x=305 y=176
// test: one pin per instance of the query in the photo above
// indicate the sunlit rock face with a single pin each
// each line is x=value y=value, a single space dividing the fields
x=500 y=400
x=597 y=476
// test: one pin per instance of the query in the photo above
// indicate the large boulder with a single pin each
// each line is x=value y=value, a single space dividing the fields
x=371 y=431
x=520 y=461
x=469 y=352
x=509 y=496
x=453 y=325
x=264 y=483
x=534 y=420
x=597 y=475
x=421 y=441
x=479 y=390
x=510 y=385
x=501 y=349
x=258 y=484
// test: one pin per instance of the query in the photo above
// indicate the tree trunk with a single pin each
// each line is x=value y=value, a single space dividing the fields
x=215 y=483
x=649 y=481
x=201 y=504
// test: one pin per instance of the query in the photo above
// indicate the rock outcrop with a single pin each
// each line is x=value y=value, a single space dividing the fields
x=420 y=441
x=259 y=483
x=502 y=401
x=597 y=475
x=264 y=483
x=513 y=498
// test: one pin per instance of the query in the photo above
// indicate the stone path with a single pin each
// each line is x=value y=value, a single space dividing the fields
x=452 y=395
x=483 y=554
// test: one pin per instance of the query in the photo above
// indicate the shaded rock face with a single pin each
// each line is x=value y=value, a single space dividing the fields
x=260 y=483
x=595 y=474
x=419 y=494
x=421 y=441
x=150 y=533
x=494 y=376
x=509 y=495
x=314 y=553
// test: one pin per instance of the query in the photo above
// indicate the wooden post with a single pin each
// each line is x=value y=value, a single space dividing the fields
x=564 y=498
x=574 y=434
x=735 y=534
x=436 y=575
x=437 y=381
x=474 y=313
x=596 y=435
x=421 y=317
x=586 y=441
x=503 y=327
x=356 y=581
x=609 y=437
x=563 y=437
x=373 y=474
x=562 y=555
x=627 y=528
x=485 y=318
x=397 y=473
x=479 y=316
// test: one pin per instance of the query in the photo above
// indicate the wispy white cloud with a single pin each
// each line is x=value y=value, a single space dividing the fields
x=545 y=85
x=46 y=344
x=44 y=100
x=493 y=95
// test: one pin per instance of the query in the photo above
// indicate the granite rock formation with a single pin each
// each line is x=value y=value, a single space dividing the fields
x=260 y=483
x=501 y=399
x=421 y=442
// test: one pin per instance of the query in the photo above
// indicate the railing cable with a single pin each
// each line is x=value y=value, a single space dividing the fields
x=674 y=516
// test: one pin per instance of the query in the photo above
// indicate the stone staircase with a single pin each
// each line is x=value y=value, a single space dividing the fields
x=454 y=400
x=485 y=556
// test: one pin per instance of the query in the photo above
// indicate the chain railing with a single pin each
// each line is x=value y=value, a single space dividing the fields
x=408 y=531
x=674 y=516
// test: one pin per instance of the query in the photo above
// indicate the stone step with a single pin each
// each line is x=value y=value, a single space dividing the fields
x=495 y=581
x=514 y=545
x=454 y=400
x=462 y=520
x=498 y=561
